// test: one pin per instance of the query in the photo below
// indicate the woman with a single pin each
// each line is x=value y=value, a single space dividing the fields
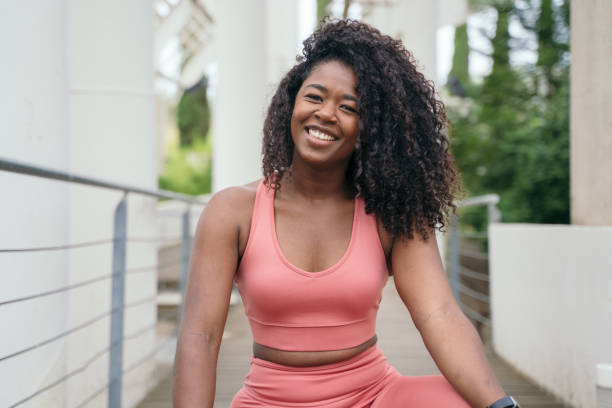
x=357 y=175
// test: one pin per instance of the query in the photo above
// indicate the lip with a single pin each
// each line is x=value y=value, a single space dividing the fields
x=322 y=130
x=315 y=142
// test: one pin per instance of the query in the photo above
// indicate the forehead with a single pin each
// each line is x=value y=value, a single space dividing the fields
x=333 y=73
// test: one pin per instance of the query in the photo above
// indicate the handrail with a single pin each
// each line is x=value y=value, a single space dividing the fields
x=15 y=166
x=479 y=200
x=456 y=270
x=117 y=276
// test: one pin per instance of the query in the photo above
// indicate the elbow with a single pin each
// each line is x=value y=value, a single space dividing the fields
x=444 y=315
x=201 y=341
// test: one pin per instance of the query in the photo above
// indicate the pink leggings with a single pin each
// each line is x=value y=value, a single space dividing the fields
x=365 y=380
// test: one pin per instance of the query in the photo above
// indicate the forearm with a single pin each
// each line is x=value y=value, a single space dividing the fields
x=458 y=352
x=195 y=369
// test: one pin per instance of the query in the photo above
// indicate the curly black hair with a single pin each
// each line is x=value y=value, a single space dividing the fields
x=401 y=165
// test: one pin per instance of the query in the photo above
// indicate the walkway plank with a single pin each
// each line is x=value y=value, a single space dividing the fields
x=398 y=339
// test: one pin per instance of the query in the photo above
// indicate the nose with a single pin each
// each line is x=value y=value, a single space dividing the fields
x=326 y=112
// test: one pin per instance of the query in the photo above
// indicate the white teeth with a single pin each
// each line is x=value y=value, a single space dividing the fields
x=320 y=135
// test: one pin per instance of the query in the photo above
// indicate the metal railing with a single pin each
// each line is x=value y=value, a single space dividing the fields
x=119 y=241
x=464 y=279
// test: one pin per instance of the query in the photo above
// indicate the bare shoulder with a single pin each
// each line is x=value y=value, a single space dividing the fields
x=232 y=205
x=229 y=211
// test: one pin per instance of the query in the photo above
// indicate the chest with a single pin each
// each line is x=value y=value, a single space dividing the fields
x=314 y=238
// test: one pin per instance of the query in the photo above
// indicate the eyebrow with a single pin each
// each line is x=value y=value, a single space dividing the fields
x=324 y=89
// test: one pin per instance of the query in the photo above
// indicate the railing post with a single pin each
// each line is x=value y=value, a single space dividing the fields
x=454 y=255
x=185 y=251
x=117 y=302
x=494 y=215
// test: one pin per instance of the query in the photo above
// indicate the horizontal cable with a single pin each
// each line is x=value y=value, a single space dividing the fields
x=154 y=239
x=77 y=328
x=152 y=354
x=148 y=299
x=475 y=315
x=474 y=254
x=89 y=244
x=145 y=358
x=63 y=289
x=175 y=262
x=82 y=367
x=472 y=293
x=74 y=286
x=473 y=274
x=59 y=336
x=60 y=247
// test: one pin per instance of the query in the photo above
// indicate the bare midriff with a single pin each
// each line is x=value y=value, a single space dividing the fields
x=309 y=358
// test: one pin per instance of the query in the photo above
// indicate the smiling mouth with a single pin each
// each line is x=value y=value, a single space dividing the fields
x=317 y=134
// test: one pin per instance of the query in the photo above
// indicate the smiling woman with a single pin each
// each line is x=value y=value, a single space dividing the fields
x=357 y=175
x=325 y=119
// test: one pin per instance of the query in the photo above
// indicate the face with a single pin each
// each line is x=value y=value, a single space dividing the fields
x=325 y=119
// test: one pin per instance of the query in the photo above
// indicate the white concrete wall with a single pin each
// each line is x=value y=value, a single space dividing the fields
x=551 y=304
x=77 y=95
x=591 y=104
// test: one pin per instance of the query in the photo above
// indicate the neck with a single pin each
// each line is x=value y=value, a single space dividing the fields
x=317 y=183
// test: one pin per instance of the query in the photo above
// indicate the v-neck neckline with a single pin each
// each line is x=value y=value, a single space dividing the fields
x=325 y=271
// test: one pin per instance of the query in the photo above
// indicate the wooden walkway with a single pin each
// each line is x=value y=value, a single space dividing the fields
x=398 y=338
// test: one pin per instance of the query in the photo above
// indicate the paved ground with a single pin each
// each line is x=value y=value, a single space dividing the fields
x=398 y=339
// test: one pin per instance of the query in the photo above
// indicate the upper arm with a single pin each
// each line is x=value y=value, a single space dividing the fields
x=420 y=279
x=212 y=266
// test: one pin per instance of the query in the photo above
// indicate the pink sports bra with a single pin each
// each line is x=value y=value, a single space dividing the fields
x=296 y=310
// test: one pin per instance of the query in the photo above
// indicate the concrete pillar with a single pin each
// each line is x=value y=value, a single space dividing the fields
x=591 y=118
x=33 y=212
x=415 y=22
x=238 y=111
x=112 y=135
x=256 y=43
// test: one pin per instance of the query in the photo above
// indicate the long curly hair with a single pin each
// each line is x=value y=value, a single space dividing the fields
x=401 y=166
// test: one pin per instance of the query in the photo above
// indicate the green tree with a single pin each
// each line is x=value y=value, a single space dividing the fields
x=511 y=136
x=188 y=166
x=459 y=76
x=193 y=114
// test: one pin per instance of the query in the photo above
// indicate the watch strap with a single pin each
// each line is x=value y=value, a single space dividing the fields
x=505 y=402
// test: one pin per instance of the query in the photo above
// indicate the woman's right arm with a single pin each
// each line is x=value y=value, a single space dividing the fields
x=213 y=263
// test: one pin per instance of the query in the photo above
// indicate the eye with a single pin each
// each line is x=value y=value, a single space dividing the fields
x=349 y=108
x=313 y=97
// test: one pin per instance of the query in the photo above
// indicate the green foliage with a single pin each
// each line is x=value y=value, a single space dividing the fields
x=323 y=9
x=459 y=75
x=188 y=169
x=511 y=135
x=188 y=165
x=193 y=114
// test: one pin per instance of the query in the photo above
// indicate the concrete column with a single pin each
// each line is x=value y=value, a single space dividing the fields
x=112 y=135
x=282 y=38
x=415 y=22
x=256 y=44
x=591 y=118
x=238 y=111
x=33 y=212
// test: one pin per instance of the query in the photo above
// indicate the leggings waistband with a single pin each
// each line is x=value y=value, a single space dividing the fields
x=330 y=383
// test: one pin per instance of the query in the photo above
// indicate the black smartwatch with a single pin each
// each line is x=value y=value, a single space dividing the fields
x=506 y=402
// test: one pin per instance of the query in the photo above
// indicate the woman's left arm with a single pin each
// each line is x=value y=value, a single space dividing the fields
x=449 y=336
